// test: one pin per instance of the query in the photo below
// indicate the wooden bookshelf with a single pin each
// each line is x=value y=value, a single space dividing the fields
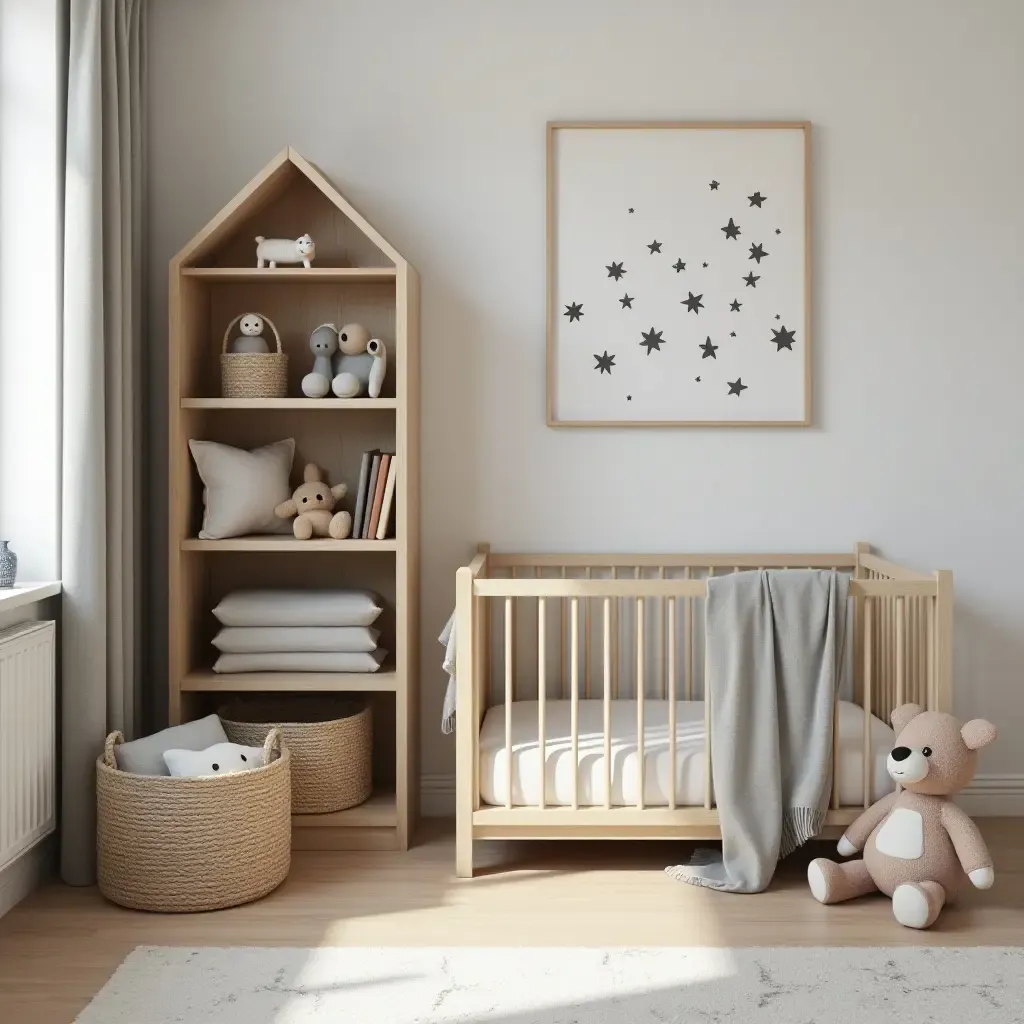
x=357 y=276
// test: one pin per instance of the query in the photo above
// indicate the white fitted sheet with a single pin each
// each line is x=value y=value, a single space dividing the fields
x=689 y=784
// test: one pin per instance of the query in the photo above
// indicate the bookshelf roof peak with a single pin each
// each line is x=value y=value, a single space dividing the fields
x=266 y=186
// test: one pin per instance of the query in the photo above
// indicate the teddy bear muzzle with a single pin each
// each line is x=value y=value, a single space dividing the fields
x=907 y=766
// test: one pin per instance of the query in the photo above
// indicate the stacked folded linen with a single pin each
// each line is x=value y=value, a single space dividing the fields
x=298 y=631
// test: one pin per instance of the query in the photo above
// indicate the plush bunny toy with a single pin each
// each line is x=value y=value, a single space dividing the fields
x=312 y=504
x=919 y=847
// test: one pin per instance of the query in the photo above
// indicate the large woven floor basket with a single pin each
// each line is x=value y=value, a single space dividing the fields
x=330 y=742
x=181 y=845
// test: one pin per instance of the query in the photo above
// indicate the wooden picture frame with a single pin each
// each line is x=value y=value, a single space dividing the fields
x=597 y=151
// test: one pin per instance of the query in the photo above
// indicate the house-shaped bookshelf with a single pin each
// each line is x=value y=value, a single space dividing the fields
x=356 y=277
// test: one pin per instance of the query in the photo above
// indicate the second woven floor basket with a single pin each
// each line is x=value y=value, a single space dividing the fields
x=330 y=742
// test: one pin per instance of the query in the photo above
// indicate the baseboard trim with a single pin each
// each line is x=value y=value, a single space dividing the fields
x=27 y=873
x=988 y=796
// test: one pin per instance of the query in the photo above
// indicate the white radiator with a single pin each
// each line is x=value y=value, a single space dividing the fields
x=27 y=737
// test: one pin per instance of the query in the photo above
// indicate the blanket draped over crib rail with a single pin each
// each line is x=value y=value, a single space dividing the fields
x=774 y=651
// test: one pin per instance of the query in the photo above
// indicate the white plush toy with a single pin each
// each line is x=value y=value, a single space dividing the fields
x=251 y=339
x=220 y=759
x=284 y=250
x=323 y=343
x=360 y=365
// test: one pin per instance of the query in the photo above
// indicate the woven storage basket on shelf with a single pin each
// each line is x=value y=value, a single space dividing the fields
x=182 y=845
x=253 y=374
x=330 y=747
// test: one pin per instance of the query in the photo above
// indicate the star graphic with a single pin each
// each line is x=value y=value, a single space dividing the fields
x=631 y=209
x=704 y=265
x=604 y=363
x=708 y=349
x=693 y=303
x=655 y=246
x=757 y=199
x=735 y=305
x=736 y=386
x=732 y=334
x=573 y=311
x=652 y=340
x=751 y=280
x=783 y=339
x=778 y=317
x=713 y=186
x=697 y=379
x=678 y=265
x=757 y=253
x=615 y=270
x=732 y=229
x=627 y=301
x=778 y=231
x=629 y=398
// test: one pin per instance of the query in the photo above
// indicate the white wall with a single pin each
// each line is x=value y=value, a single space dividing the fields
x=431 y=118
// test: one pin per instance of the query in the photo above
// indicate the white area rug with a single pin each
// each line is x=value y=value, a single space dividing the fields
x=564 y=986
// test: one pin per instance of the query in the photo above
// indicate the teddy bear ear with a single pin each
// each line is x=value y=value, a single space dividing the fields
x=902 y=716
x=311 y=474
x=978 y=733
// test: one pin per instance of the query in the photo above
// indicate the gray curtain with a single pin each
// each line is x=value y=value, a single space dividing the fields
x=101 y=405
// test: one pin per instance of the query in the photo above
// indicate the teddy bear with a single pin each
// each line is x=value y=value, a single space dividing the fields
x=919 y=847
x=323 y=343
x=360 y=365
x=312 y=504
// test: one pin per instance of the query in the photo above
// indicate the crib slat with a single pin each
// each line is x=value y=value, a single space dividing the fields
x=515 y=631
x=671 y=612
x=574 y=675
x=688 y=629
x=542 y=694
x=509 y=694
x=707 y=735
x=867 y=765
x=607 y=703
x=640 y=701
x=563 y=644
x=615 y=640
x=901 y=651
x=586 y=639
x=835 y=750
x=930 y=654
x=664 y=640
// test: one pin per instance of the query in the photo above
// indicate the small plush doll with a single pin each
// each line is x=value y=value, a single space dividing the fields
x=360 y=366
x=220 y=759
x=919 y=847
x=323 y=343
x=251 y=339
x=312 y=504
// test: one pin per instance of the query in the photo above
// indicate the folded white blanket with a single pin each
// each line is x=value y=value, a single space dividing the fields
x=277 y=639
x=298 y=661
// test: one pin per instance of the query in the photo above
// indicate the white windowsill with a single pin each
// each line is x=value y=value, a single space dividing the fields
x=27 y=593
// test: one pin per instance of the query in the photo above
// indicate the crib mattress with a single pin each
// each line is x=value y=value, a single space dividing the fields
x=689 y=781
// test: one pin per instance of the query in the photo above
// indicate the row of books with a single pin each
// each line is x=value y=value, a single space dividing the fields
x=375 y=497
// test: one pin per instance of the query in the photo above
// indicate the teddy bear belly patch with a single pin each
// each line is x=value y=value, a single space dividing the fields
x=902 y=836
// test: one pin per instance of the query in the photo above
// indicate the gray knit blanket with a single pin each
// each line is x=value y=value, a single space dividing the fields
x=774 y=649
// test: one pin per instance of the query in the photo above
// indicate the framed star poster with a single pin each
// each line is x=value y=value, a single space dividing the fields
x=679 y=274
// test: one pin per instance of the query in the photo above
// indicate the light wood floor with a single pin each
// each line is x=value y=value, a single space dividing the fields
x=60 y=946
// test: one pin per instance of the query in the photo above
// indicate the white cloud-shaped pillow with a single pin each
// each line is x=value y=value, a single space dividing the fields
x=220 y=759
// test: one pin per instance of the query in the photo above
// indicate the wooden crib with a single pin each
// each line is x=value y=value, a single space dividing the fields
x=572 y=632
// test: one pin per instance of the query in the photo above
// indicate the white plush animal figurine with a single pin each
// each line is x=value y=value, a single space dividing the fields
x=323 y=343
x=360 y=366
x=284 y=250
x=220 y=759
x=251 y=339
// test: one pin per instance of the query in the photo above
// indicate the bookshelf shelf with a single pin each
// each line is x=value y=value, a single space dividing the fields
x=313 y=275
x=359 y=273
x=311 y=404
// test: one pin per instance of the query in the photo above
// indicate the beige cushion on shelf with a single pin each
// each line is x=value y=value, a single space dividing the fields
x=298 y=661
x=270 y=639
x=299 y=608
x=242 y=488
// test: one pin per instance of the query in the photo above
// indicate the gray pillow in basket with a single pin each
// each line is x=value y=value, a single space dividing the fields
x=146 y=756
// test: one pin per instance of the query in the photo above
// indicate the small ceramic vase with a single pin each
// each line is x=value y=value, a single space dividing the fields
x=8 y=566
